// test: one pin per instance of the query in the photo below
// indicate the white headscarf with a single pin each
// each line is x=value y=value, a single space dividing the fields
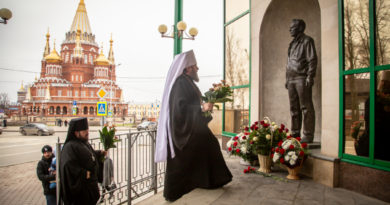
x=180 y=62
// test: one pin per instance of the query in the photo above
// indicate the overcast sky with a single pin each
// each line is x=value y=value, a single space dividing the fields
x=144 y=56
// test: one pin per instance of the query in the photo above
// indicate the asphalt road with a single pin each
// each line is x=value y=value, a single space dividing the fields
x=17 y=149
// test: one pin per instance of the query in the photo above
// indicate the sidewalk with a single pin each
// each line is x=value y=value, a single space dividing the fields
x=63 y=128
x=20 y=185
x=257 y=189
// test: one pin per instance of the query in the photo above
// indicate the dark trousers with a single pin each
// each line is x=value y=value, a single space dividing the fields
x=301 y=103
x=51 y=199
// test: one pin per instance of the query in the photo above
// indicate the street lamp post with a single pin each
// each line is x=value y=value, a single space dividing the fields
x=5 y=15
x=110 y=110
x=178 y=32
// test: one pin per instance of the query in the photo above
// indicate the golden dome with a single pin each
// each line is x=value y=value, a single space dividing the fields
x=53 y=57
x=101 y=60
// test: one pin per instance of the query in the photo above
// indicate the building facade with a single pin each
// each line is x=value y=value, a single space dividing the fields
x=143 y=111
x=69 y=81
x=352 y=84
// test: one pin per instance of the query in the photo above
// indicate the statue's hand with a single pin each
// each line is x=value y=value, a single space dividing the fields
x=309 y=82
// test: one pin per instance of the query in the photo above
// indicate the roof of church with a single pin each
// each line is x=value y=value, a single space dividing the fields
x=81 y=20
x=102 y=60
x=53 y=57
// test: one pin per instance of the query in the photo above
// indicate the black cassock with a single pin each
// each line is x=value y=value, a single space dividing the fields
x=77 y=158
x=198 y=162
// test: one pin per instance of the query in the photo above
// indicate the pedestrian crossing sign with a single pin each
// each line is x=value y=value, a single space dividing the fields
x=74 y=110
x=102 y=108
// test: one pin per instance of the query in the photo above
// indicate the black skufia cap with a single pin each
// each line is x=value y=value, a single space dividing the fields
x=47 y=148
x=77 y=124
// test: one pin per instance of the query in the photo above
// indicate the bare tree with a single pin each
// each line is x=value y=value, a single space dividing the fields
x=4 y=100
x=236 y=63
x=357 y=44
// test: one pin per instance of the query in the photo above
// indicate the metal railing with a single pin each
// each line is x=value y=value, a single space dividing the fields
x=135 y=172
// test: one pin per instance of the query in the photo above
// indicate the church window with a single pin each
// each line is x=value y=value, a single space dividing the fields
x=82 y=93
x=77 y=78
x=71 y=58
x=72 y=77
x=76 y=93
x=85 y=59
x=59 y=92
x=91 y=93
x=67 y=57
x=90 y=58
x=81 y=78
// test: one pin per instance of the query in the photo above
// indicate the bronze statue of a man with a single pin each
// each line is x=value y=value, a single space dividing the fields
x=300 y=72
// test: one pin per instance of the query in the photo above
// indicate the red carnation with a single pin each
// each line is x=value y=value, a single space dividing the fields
x=262 y=122
x=288 y=137
x=273 y=149
x=282 y=160
x=249 y=167
x=266 y=125
x=235 y=138
x=301 y=153
x=281 y=151
x=291 y=147
x=256 y=127
x=235 y=144
x=277 y=149
x=304 y=145
x=230 y=149
x=280 y=143
x=282 y=126
x=245 y=171
x=246 y=128
x=280 y=130
x=298 y=138
x=246 y=133
x=286 y=130
x=244 y=137
x=272 y=155
x=257 y=122
x=237 y=151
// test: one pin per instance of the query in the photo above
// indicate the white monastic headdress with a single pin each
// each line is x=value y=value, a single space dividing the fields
x=180 y=62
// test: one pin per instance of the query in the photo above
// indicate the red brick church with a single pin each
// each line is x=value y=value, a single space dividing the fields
x=69 y=81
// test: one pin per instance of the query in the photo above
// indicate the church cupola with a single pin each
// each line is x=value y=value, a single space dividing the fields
x=47 y=46
x=111 y=53
x=81 y=21
x=101 y=66
x=53 y=65
x=53 y=57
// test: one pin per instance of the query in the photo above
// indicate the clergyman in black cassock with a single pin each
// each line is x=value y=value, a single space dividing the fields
x=197 y=161
x=79 y=166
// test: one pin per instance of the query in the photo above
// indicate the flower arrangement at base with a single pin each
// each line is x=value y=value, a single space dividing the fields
x=262 y=138
x=219 y=93
x=238 y=146
x=265 y=135
x=107 y=137
x=290 y=153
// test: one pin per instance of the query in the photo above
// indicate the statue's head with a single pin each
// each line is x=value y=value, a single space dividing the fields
x=297 y=27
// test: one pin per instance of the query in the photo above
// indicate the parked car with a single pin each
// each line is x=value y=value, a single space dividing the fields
x=36 y=129
x=147 y=125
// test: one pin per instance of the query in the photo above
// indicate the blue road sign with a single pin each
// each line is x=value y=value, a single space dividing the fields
x=102 y=108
